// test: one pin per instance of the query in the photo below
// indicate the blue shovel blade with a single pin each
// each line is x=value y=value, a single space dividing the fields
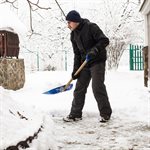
x=59 y=89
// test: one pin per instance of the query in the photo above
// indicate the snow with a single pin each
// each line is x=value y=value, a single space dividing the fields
x=25 y=111
x=129 y=127
x=10 y=22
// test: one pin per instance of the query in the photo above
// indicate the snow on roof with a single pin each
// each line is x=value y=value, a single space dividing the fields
x=9 y=21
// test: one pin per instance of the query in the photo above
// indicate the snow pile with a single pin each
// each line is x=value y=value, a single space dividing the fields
x=128 y=128
x=19 y=122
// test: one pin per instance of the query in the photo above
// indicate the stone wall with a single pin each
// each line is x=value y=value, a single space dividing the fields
x=12 y=73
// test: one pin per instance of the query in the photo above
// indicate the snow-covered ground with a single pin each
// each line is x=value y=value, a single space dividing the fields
x=30 y=118
x=27 y=111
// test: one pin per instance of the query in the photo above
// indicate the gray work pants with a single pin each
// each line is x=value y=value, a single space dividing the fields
x=97 y=74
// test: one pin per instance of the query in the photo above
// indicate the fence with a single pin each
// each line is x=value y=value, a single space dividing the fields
x=136 y=57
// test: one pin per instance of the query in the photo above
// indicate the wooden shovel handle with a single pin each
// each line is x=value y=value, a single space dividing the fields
x=76 y=73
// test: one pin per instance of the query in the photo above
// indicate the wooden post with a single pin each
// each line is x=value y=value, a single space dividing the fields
x=145 y=57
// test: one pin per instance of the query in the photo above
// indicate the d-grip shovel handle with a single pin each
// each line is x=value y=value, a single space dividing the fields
x=76 y=73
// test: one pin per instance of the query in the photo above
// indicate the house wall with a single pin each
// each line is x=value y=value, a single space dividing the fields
x=145 y=10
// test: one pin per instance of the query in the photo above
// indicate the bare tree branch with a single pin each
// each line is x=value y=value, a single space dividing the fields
x=32 y=7
x=60 y=8
x=37 y=5
x=11 y=2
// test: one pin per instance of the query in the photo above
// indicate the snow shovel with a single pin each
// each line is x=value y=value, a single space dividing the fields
x=68 y=86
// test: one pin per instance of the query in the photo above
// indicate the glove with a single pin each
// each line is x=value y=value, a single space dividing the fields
x=75 y=77
x=92 y=54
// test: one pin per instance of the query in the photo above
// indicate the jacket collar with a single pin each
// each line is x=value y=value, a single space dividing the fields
x=79 y=27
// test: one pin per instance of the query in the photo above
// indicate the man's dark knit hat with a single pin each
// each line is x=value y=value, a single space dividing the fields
x=73 y=16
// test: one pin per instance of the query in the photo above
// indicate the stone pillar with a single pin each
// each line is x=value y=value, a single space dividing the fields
x=12 y=73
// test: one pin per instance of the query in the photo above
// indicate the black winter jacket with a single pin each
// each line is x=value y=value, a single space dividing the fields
x=85 y=37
